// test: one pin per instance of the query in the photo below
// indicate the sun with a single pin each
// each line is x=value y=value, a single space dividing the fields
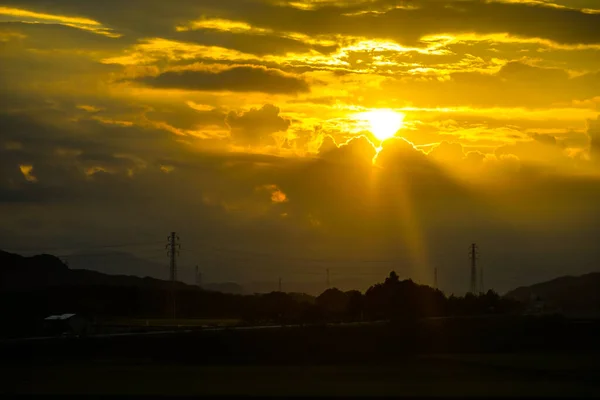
x=384 y=123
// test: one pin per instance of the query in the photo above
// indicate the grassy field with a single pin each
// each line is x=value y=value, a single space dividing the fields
x=170 y=322
x=429 y=376
x=324 y=360
x=565 y=363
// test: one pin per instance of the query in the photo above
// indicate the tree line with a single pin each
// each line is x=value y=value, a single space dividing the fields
x=393 y=299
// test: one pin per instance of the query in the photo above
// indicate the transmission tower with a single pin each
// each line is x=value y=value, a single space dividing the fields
x=481 y=289
x=172 y=247
x=280 y=284
x=198 y=277
x=435 y=280
x=473 y=254
x=327 y=281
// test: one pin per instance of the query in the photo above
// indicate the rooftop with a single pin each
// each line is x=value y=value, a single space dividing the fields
x=61 y=317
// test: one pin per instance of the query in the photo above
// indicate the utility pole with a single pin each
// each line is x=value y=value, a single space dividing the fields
x=173 y=247
x=198 y=277
x=473 y=256
x=328 y=282
x=481 y=279
x=280 y=284
x=435 y=281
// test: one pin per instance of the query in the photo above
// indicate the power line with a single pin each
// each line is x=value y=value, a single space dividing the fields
x=473 y=256
x=481 y=278
x=172 y=251
x=293 y=258
x=228 y=252
x=152 y=254
x=198 y=277
x=83 y=248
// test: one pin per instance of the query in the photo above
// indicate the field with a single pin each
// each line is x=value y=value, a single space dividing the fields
x=454 y=358
x=445 y=376
x=153 y=322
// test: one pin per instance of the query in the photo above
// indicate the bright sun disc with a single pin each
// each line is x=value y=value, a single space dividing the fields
x=384 y=123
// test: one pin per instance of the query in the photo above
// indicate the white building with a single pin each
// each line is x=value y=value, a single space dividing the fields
x=66 y=324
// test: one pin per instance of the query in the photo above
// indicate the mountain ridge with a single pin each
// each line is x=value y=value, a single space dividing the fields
x=569 y=293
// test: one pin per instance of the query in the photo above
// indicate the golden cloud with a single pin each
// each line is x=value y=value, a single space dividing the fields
x=27 y=171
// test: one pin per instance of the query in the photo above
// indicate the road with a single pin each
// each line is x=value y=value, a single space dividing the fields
x=180 y=331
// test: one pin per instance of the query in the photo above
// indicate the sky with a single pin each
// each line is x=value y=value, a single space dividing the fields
x=253 y=129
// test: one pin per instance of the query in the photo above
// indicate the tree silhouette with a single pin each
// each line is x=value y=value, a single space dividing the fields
x=334 y=303
x=98 y=295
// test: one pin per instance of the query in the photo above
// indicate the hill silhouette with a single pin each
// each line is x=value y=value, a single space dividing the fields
x=35 y=287
x=571 y=294
x=118 y=263
x=113 y=268
x=19 y=273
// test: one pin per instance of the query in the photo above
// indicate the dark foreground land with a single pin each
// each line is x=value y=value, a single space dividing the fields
x=438 y=357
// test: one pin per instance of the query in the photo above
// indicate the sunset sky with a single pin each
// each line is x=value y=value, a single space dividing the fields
x=254 y=126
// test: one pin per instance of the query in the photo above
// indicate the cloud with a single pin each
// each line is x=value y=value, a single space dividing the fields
x=363 y=210
x=593 y=131
x=399 y=153
x=514 y=85
x=27 y=171
x=423 y=18
x=544 y=138
x=358 y=151
x=327 y=145
x=184 y=116
x=541 y=152
x=259 y=43
x=141 y=134
x=27 y=16
x=256 y=126
x=447 y=151
x=235 y=79
x=277 y=196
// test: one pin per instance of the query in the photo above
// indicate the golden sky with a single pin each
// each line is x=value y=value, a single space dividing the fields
x=255 y=124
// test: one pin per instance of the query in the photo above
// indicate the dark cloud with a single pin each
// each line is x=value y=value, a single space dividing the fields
x=399 y=153
x=516 y=71
x=63 y=37
x=236 y=79
x=256 y=126
x=250 y=44
x=544 y=138
x=426 y=17
x=185 y=117
x=358 y=151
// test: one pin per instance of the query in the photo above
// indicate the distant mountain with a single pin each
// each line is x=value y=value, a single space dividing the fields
x=109 y=269
x=574 y=295
x=26 y=273
x=118 y=263
x=32 y=288
x=227 y=287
